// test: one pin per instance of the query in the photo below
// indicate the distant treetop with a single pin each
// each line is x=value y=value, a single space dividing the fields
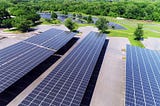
x=132 y=9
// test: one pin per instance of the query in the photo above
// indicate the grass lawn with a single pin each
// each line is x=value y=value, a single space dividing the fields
x=151 y=29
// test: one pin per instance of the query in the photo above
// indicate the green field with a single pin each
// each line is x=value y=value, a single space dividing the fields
x=151 y=29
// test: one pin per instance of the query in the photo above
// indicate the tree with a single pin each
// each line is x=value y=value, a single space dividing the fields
x=54 y=15
x=32 y=17
x=4 y=14
x=89 y=19
x=74 y=15
x=79 y=15
x=25 y=17
x=70 y=24
x=4 y=4
x=7 y=23
x=65 y=12
x=22 y=24
x=139 y=32
x=102 y=24
x=113 y=27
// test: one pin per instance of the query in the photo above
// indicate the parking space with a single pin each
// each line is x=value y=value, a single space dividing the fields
x=110 y=86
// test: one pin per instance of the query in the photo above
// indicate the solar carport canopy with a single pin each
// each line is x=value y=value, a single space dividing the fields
x=67 y=83
x=50 y=37
x=19 y=59
x=142 y=77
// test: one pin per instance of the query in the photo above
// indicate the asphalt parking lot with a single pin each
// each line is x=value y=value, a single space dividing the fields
x=110 y=86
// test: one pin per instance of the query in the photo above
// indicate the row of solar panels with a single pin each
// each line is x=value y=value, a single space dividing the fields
x=18 y=59
x=66 y=84
x=142 y=77
x=53 y=39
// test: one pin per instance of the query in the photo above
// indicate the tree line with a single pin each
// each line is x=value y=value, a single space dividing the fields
x=131 y=10
x=22 y=14
x=19 y=16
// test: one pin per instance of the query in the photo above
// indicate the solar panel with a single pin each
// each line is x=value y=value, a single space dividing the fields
x=53 y=38
x=14 y=69
x=67 y=83
x=142 y=77
x=18 y=59
x=38 y=39
x=14 y=51
x=58 y=41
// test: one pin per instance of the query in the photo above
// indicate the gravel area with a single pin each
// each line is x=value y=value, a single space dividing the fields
x=152 y=43
x=110 y=86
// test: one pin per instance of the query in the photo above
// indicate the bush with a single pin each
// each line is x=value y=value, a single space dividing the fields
x=70 y=24
x=54 y=15
x=7 y=23
x=56 y=22
x=102 y=24
x=89 y=19
x=139 y=32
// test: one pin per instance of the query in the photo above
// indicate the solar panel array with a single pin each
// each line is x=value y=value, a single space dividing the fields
x=53 y=38
x=18 y=59
x=67 y=83
x=142 y=77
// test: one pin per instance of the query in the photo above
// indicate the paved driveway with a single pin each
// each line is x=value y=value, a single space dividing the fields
x=110 y=86
x=152 y=43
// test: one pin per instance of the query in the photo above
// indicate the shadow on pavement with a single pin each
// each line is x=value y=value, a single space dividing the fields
x=90 y=88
